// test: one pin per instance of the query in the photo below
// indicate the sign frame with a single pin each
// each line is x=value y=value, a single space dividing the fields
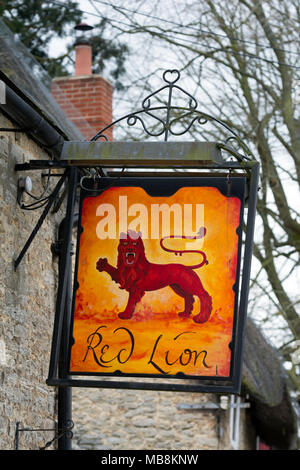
x=250 y=170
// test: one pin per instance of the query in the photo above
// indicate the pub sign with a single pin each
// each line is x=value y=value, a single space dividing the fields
x=157 y=278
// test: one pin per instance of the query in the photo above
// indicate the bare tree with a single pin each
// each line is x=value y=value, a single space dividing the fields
x=242 y=58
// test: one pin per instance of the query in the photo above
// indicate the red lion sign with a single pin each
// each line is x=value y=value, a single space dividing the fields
x=137 y=310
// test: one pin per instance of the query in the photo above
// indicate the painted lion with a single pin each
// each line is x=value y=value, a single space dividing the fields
x=137 y=275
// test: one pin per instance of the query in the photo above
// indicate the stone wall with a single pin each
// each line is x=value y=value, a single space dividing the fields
x=27 y=302
x=147 y=420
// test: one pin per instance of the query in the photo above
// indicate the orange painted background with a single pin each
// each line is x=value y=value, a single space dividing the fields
x=163 y=342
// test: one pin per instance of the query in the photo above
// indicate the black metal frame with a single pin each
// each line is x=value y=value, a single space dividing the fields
x=217 y=385
x=241 y=161
x=230 y=187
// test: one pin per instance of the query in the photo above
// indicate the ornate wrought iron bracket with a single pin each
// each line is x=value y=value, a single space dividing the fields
x=165 y=118
x=40 y=221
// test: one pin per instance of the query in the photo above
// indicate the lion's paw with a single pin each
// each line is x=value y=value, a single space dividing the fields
x=124 y=315
x=184 y=314
x=201 y=318
x=101 y=264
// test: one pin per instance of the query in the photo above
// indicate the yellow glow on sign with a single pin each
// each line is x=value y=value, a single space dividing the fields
x=140 y=309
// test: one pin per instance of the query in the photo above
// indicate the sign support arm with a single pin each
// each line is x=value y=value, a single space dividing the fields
x=247 y=267
x=64 y=274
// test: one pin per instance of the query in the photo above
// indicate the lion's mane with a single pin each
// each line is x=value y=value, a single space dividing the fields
x=132 y=276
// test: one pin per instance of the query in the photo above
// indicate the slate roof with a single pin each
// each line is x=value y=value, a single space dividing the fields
x=32 y=81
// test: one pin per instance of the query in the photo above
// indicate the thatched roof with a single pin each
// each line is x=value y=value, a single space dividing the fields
x=264 y=379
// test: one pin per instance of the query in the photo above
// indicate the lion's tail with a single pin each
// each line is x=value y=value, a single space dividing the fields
x=201 y=233
x=206 y=307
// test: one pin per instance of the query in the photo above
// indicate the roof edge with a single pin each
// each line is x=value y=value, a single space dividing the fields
x=22 y=111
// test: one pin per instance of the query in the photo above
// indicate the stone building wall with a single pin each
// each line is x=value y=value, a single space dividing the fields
x=149 y=420
x=27 y=302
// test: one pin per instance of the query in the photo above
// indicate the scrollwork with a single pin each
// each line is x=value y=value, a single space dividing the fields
x=165 y=118
x=134 y=118
x=170 y=85
x=171 y=72
x=200 y=118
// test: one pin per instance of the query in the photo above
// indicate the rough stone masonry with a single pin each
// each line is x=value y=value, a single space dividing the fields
x=27 y=303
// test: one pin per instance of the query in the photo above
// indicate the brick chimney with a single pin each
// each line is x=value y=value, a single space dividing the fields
x=86 y=98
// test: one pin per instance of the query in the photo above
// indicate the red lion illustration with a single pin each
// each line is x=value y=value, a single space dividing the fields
x=137 y=275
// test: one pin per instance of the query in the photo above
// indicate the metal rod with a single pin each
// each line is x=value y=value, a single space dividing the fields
x=9 y=129
x=248 y=249
x=168 y=112
x=40 y=221
x=64 y=416
x=40 y=165
x=211 y=406
x=64 y=275
x=65 y=393
x=17 y=435
x=142 y=386
x=151 y=165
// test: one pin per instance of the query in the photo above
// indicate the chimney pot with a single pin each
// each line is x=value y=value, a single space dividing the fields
x=83 y=48
x=83 y=27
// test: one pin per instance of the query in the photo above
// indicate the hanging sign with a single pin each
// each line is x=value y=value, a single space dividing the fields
x=157 y=277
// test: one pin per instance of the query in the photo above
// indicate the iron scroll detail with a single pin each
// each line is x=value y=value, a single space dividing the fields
x=166 y=118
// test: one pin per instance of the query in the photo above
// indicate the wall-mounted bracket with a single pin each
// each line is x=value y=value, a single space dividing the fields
x=51 y=200
x=67 y=432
